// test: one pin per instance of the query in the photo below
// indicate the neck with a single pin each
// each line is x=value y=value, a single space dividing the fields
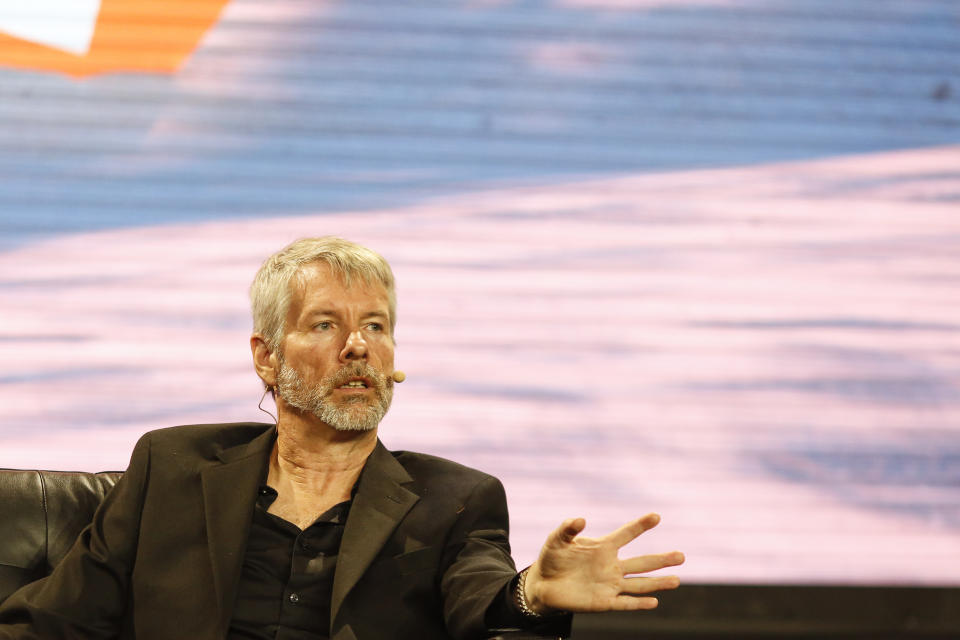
x=308 y=447
x=313 y=467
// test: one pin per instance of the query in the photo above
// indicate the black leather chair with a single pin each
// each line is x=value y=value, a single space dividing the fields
x=43 y=512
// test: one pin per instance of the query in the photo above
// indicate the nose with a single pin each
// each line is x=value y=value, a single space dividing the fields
x=355 y=348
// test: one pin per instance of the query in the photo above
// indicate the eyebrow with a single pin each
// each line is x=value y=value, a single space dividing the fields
x=331 y=312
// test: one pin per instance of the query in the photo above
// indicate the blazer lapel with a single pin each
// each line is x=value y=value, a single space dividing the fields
x=229 y=494
x=379 y=505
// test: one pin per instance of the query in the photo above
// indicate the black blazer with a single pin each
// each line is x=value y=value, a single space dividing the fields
x=423 y=555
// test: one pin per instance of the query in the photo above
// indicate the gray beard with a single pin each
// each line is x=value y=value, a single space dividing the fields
x=353 y=413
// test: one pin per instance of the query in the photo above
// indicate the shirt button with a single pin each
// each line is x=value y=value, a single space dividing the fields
x=293 y=598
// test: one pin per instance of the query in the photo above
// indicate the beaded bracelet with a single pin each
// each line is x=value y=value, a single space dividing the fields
x=521 y=596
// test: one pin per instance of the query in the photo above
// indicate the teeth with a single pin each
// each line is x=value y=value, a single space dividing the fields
x=355 y=384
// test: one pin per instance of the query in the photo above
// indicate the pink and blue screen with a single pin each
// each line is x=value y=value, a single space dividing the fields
x=699 y=258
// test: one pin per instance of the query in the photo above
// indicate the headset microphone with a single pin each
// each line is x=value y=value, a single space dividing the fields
x=398 y=376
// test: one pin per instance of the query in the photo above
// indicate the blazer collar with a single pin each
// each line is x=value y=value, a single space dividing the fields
x=229 y=495
x=379 y=505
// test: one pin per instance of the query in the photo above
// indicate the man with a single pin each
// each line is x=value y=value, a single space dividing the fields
x=310 y=528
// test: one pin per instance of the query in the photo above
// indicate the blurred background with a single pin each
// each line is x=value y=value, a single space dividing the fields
x=697 y=257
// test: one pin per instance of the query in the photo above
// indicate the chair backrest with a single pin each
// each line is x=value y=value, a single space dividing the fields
x=41 y=515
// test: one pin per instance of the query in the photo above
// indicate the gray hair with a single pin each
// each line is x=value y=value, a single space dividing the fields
x=273 y=285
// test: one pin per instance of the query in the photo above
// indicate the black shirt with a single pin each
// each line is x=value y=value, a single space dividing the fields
x=287 y=579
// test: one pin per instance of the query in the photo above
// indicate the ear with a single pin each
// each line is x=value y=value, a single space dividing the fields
x=264 y=361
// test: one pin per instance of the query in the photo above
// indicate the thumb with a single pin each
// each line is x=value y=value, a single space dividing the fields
x=569 y=530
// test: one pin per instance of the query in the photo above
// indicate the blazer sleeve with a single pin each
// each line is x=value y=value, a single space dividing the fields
x=477 y=560
x=86 y=595
x=477 y=586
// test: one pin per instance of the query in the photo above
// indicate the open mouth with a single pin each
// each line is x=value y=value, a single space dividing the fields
x=356 y=383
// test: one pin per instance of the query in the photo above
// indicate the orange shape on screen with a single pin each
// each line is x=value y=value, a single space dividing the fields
x=130 y=35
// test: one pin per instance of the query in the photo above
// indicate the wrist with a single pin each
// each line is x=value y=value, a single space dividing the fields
x=527 y=596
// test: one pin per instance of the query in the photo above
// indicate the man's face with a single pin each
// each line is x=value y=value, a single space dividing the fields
x=337 y=353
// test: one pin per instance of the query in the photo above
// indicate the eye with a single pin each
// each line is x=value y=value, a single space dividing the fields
x=323 y=326
x=375 y=326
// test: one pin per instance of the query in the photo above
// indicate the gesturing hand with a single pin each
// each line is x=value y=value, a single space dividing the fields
x=585 y=574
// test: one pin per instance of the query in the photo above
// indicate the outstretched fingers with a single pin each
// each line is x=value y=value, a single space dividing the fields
x=633 y=603
x=652 y=562
x=638 y=586
x=632 y=530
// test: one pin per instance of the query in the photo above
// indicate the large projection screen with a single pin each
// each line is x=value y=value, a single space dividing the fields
x=699 y=258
